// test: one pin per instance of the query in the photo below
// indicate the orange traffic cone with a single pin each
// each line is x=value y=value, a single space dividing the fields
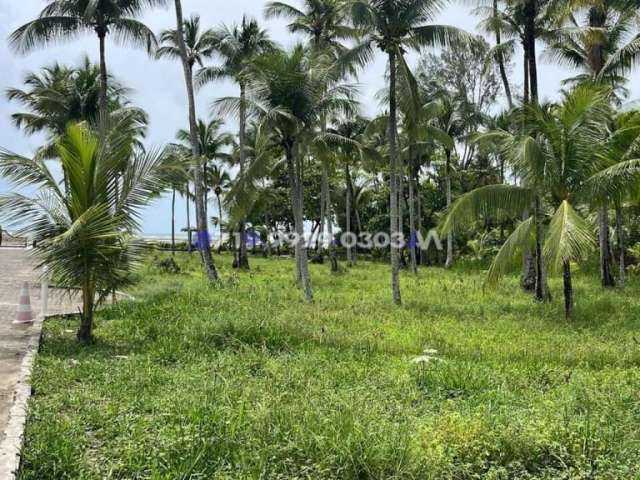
x=24 y=314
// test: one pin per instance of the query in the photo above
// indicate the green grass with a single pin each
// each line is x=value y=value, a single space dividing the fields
x=247 y=381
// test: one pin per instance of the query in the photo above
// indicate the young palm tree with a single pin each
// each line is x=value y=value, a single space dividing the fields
x=83 y=237
x=393 y=27
x=237 y=46
x=201 y=218
x=67 y=19
x=555 y=157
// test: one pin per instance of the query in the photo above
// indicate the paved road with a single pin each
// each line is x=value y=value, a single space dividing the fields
x=16 y=267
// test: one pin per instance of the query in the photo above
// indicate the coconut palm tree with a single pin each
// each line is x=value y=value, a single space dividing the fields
x=521 y=24
x=491 y=23
x=555 y=158
x=237 y=46
x=325 y=24
x=604 y=48
x=67 y=19
x=220 y=182
x=212 y=145
x=349 y=153
x=599 y=39
x=188 y=62
x=393 y=27
x=618 y=181
x=84 y=237
x=199 y=44
x=290 y=95
x=58 y=95
x=176 y=176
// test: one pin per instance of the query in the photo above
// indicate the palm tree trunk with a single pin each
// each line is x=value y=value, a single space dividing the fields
x=243 y=258
x=393 y=182
x=333 y=259
x=347 y=213
x=525 y=94
x=205 y=188
x=449 y=261
x=189 y=238
x=421 y=253
x=201 y=219
x=620 y=234
x=568 y=289
x=501 y=67
x=528 y=276
x=412 y=215
x=85 y=332
x=606 y=276
x=401 y=199
x=267 y=244
x=219 y=222
x=102 y=99
x=323 y=215
x=530 y=38
x=541 y=289
x=294 y=166
x=173 y=221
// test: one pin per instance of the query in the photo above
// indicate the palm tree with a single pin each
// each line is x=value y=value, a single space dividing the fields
x=555 y=158
x=603 y=47
x=220 y=181
x=324 y=23
x=237 y=46
x=176 y=175
x=291 y=95
x=349 y=153
x=492 y=23
x=212 y=145
x=447 y=117
x=58 y=95
x=201 y=218
x=84 y=237
x=67 y=19
x=603 y=51
x=392 y=27
x=199 y=44
x=618 y=181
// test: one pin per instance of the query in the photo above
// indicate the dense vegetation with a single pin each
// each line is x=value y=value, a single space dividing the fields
x=249 y=381
x=239 y=369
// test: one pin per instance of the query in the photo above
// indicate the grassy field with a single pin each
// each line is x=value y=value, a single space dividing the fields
x=247 y=381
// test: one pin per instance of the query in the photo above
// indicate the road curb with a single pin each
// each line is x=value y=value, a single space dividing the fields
x=11 y=444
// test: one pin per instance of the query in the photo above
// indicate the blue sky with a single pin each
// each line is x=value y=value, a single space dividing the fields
x=158 y=85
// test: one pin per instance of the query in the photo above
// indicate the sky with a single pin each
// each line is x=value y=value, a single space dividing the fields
x=158 y=86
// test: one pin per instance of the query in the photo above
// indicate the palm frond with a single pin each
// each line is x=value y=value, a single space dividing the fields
x=569 y=237
x=492 y=201
x=510 y=253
